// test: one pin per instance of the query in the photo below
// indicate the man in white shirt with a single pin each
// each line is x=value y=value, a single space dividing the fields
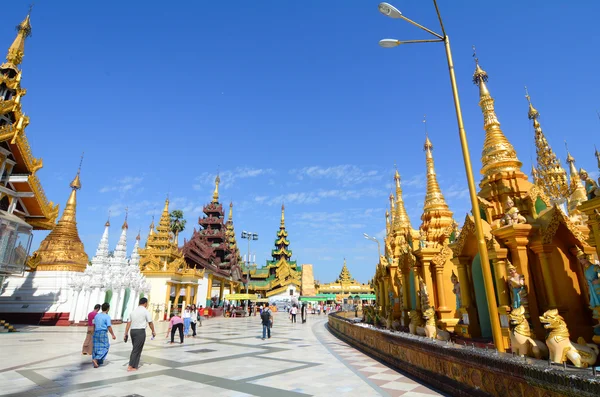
x=138 y=320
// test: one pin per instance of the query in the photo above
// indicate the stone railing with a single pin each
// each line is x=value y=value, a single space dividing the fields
x=464 y=371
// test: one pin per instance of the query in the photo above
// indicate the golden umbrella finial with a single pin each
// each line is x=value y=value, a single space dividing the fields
x=76 y=184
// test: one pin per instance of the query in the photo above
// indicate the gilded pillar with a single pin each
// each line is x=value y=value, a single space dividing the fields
x=544 y=252
x=439 y=285
x=209 y=289
x=168 y=297
x=406 y=289
x=188 y=294
x=498 y=258
x=177 y=295
x=386 y=293
x=221 y=290
x=591 y=208
x=417 y=287
x=395 y=292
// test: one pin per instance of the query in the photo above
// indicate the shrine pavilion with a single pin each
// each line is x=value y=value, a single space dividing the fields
x=346 y=288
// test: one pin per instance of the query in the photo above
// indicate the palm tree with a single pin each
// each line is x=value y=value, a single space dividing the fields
x=177 y=222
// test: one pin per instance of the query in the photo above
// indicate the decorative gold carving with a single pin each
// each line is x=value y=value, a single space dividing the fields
x=551 y=227
x=467 y=232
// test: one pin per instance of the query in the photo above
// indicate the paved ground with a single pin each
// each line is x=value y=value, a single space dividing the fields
x=228 y=358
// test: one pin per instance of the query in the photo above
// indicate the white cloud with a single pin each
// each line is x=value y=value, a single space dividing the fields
x=318 y=195
x=123 y=185
x=228 y=177
x=346 y=175
x=415 y=181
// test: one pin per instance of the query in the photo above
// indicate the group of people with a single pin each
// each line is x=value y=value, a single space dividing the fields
x=99 y=325
x=190 y=318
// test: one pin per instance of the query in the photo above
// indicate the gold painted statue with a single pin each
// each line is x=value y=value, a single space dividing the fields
x=415 y=326
x=521 y=341
x=431 y=329
x=511 y=215
x=591 y=187
x=561 y=348
x=456 y=290
x=518 y=289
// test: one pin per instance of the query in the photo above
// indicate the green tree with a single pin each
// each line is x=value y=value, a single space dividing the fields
x=177 y=221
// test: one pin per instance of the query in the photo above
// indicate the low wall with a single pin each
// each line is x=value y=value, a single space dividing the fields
x=463 y=371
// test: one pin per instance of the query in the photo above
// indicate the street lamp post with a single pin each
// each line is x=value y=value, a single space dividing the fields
x=374 y=239
x=248 y=236
x=392 y=12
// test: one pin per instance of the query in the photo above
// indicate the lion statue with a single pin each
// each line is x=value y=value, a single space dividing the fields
x=431 y=329
x=561 y=348
x=415 y=326
x=521 y=341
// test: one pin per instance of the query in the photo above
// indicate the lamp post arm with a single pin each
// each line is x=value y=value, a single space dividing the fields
x=419 y=41
x=422 y=27
x=437 y=10
x=483 y=253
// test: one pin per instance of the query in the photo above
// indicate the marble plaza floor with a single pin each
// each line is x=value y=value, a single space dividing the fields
x=228 y=358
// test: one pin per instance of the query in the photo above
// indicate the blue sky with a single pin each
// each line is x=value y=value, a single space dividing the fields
x=293 y=102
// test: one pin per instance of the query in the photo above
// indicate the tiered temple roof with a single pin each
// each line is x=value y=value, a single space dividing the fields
x=62 y=249
x=161 y=253
x=213 y=247
x=280 y=271
x=15 y=153
x=345 y=284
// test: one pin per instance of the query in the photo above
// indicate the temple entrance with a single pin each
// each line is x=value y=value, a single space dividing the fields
x=413 y=290
x=481 y=298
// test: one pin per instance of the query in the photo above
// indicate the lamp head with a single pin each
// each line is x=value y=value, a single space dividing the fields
x=389 y=10
x=389 y=43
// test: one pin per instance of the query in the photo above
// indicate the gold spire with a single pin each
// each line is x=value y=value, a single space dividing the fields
x=387 y=222
x=436 y=217
x=577 y=188
x=282 y=216
x=345 y=274
x=164 y=225
x=16 y=51
x=62 y=249
x=216 y=192
x=152 y=227
x=125 y=225
x=597 y=156
x=231 y=211
x=534 y=175
x=401 y=220
x=392 y=208
x=498 y=154
x=552 y=177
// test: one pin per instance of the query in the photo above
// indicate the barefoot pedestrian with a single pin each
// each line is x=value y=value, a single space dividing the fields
x=87 y=343
x=138 y=320
x=102 y=326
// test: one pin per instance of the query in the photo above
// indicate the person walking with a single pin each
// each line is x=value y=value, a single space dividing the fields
x=187 y=321
x=267 y=321
x=176 y=323
x=138 y=320
x=102 y=326
x=193 y=319
x=293 y=312
x=86 y=350
x=200 y=314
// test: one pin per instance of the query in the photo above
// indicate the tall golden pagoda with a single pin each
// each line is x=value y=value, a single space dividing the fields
x=578 y=195
x=551 y=176
x=18 y=166
x=346 y=287
x=433 y=265
x=161 y=253
x=528 y=237
x=62 y=249
x=501 y=169
x=161 y=261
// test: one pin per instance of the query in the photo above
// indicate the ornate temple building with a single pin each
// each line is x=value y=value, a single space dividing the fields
x=43 y=294
x=173 y=283
x=23 y=204
x=537 y=236
x=280 y=278
x=110 y=277
x=213 y=249
x=345 y=287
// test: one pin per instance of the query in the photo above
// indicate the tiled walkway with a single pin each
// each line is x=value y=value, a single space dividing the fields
x=227 y=359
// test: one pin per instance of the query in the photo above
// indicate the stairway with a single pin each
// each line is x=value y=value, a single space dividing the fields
x=6 y=327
